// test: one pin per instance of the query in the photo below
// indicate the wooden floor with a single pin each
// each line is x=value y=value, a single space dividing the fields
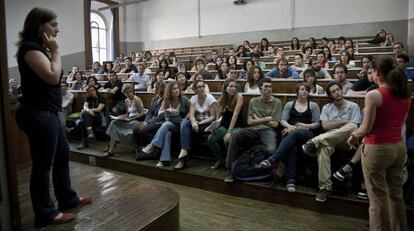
x=199 y=209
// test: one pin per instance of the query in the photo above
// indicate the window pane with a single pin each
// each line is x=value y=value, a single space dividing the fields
x=102 y=38
x=95 y=55
x=102 y=55
x=94 y=37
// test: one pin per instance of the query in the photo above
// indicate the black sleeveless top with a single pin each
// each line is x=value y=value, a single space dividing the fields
x=36 y=93
x=300 y=117
x=226 y=119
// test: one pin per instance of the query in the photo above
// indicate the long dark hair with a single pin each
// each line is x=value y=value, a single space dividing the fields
x=36 y=17
x=226 y=101
x=393 y=76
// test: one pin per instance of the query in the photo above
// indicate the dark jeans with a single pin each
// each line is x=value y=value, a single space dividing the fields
x=290 y=146
x=144 y=134
x=87 y=120
x=49 y=150
x=188 y=136
x=249 y=136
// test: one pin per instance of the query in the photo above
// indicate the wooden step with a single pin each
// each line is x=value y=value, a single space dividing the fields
x=198 y=174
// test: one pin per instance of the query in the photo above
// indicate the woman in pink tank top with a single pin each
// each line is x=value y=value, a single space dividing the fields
x=384 y=150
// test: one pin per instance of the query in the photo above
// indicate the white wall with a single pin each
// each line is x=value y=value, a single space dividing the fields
x=70 y=19
x=163 y=20
x=410 y=39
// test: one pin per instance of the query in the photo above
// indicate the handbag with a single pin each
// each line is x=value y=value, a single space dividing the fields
x=173 y=117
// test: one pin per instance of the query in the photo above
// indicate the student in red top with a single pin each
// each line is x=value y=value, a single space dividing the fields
x=384 y=150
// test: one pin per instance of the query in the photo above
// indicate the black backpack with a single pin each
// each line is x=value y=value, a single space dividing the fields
x=244 y=168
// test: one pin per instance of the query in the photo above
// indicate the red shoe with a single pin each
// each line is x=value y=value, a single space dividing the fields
x=83 y=200
x=66 y=217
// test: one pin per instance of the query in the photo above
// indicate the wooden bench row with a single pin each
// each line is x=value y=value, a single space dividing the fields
x=321 y=100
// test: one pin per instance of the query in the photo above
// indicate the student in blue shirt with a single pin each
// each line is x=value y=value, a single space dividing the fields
x=283 y=70
x=402 y=61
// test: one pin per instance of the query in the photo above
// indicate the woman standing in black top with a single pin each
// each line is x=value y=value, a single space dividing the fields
x=40 y=67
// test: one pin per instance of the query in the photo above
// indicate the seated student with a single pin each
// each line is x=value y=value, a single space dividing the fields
x=71 y=76
x=174 y=109
x=92 y=116
x=172 y=59
x=234 y=76
x=145 y=130
x=219 y=61
x=121 y=129
x=256 y=51
x=280 y=52
x=241 y=51
x=92 y=81
x=67 y=100
x=346 y=59
x=366 y=61
x=191 y=88
x=200 y=66
x=247 y=66
x=364 y=84
x=158 y=77
x=341 y=43
x=108 y=67
x=263 y=118
x=333 y=48
x=349 y=43
x=328 y=54
x=282 y=70
x=307 y=52
x=182 y=81
x=114 y=86
x=117 y=67
x=129 y=67
x=252 y=83
x=339 y=119
x=299 y=65
x=312 y=43
x=181 y=68
x=230 y=104
x=232 y=62
x=232 y=51
x=14 y=88
x=148 y=56
x=309 y=76
x=214 y=55
x=97 y=69
x=324 y=42
x=256 y=61
x=379 y=37
x=264 y=44
x=398 y=48
x=351 y=53
x=165 y=67
x=247 y=46
x=141 y=79
x=203 y=108
x=322 y=60
x=78 y=85
x=402 y=61
x=299 y=118
x=222 y=72
x=340 y=71
x=295 y=43
x=320 y=72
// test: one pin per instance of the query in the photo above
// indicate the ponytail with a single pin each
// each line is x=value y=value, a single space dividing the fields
x=397 y=81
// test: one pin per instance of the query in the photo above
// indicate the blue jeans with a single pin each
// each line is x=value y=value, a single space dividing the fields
x=247 y=136
x=162 y=139
x=291 y=146
x=49 y=150
x=87 y=120
x=187 y=135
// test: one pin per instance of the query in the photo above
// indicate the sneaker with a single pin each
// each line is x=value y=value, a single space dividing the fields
x=91 y=135
x=291 y=188
x=160 y=164
x=362 y=195
x=148 y=149
x=343 y=172
x=82 y=146
x=309 y=148
x=229 y=177
x=322 y=195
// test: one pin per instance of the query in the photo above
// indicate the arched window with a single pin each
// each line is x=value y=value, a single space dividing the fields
x=98 y=38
